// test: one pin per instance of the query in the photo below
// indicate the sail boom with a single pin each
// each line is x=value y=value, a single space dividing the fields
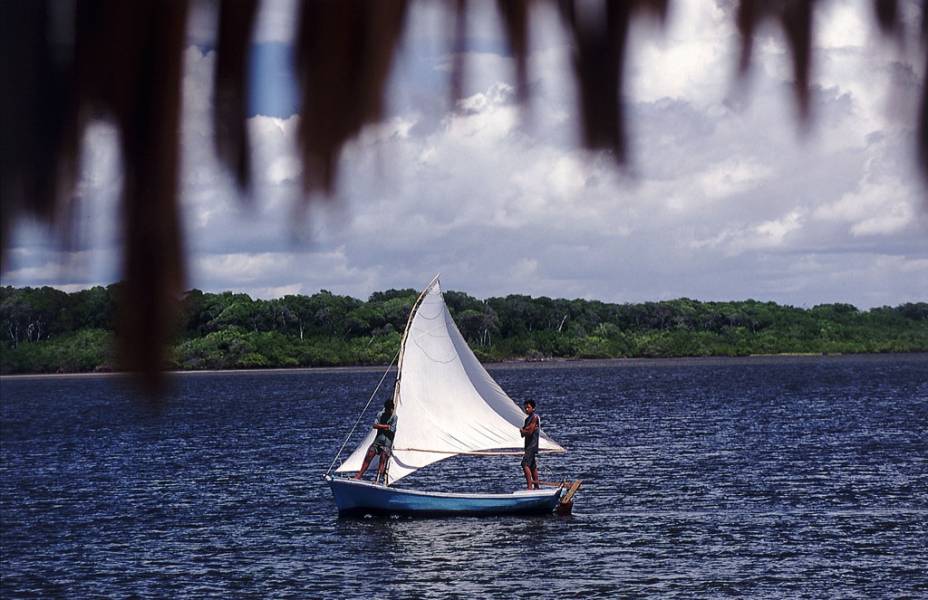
x=500 y=452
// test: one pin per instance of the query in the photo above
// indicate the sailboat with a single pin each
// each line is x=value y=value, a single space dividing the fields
x=446 y=405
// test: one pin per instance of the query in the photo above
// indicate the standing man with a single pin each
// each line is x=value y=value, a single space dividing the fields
x=531 y=432
x=385 y=424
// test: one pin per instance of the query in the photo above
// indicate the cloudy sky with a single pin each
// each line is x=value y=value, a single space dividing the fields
x=725 y=197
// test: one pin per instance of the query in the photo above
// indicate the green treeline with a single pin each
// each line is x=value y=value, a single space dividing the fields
x=46 y=330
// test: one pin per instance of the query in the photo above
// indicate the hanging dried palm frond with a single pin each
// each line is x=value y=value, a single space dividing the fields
x=795 y=18
x=141 y=45
x=37 y=130
x=236 y=20
x=599 y=32
x=515 y=20
x=887 y=15
x=922 y=141
x=344 y=52
x=457 y=50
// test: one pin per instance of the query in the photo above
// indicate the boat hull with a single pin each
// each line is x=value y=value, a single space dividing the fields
x=353 y=497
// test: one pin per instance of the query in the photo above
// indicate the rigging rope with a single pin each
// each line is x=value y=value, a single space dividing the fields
x=364 y=410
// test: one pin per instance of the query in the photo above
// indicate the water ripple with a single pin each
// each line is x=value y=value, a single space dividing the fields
x=791 y=477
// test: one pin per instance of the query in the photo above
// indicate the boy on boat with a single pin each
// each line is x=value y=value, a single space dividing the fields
x=530 y=431
x=385 y=424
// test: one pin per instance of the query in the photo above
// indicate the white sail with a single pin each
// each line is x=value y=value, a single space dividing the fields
x=448 y=403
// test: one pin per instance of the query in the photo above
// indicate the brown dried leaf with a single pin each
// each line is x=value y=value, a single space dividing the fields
x=795 y=17
x=37 y=128
x=515 y=20
x=887 y=15
x=457 y=50
x=797 y=23
x=236 y=18
x=599 y=56
x=141 y=43
x=345 y=50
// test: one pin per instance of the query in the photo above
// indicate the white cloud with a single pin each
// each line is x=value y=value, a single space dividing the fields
x=692 y=56
x=843 y=25
x=773 y=233
x=885 y=202
x=765 y=235
x=876 y=208
x=898 y=217
x=731 y=176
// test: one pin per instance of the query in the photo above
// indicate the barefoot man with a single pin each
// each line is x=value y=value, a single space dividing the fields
x=530 y=431
x=385 y=424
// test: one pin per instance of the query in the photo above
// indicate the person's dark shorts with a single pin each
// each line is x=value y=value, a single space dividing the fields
x=528 y=459
x=378 y=449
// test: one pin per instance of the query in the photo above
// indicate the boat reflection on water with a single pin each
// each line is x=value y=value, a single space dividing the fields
x=413 y=552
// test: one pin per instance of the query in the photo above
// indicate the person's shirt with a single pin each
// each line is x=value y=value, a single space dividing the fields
x=531 y=439
x=385 y=436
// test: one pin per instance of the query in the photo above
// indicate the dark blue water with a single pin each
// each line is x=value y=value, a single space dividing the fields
x=783 y=477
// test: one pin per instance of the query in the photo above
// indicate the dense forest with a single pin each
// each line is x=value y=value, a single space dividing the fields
x=46 y=330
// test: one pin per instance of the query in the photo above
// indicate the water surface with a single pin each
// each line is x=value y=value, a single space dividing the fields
x=789 y=477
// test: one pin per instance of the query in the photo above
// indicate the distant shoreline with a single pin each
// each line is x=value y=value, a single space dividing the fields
x=50 y=332
x=553 y=363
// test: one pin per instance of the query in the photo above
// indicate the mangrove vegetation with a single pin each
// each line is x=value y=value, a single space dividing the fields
x=46 y=330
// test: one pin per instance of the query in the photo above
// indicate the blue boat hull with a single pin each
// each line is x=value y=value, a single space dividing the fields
x=353 y=497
